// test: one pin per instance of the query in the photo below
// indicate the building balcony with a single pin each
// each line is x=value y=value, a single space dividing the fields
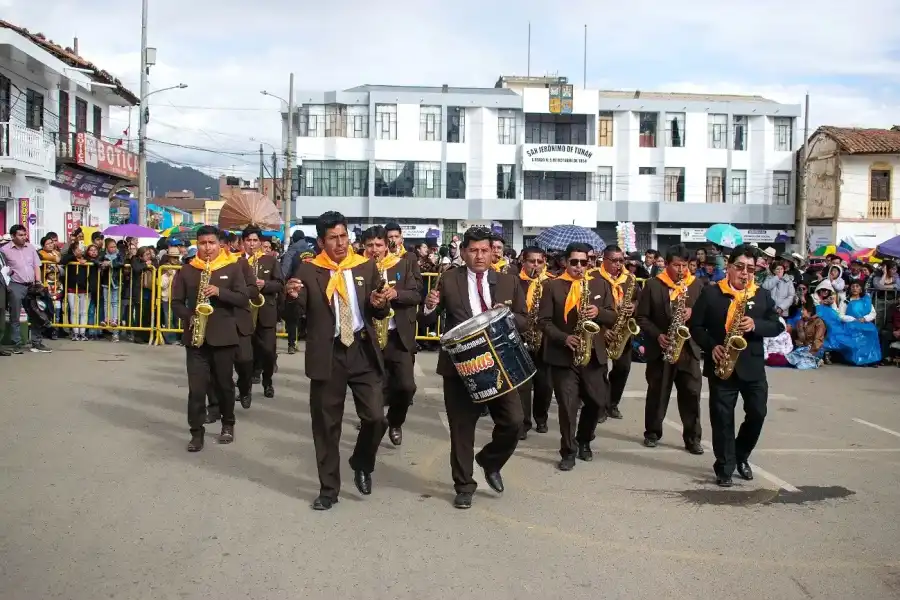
x=86 y=151
x=26 y=150
x=880 y=209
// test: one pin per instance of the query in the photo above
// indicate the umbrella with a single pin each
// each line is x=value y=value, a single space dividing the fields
x=831 y=249
x=560 y=236
x=890 y=248
x=178 y=229
x=246 y=207
x=130 y=230
x=725 y=235
x=865 y=255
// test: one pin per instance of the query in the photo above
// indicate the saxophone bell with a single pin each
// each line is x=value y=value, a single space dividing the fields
x=625 y=326
x=735 y=343
x=203 y=309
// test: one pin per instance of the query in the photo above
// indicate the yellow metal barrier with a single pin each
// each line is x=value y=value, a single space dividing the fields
x=168 y=327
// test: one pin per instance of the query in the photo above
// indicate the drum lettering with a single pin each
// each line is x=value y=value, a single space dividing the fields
x=480 y=363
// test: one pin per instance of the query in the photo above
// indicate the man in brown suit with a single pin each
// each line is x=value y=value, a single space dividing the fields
x=537 y=392
x=465 y=292
x=397 y=246
x=338 y=293
x=212 y=362
x=654 y=316
x=402 y=291
x=559 y=314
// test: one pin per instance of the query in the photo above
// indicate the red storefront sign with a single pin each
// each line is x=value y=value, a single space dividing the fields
x=101 y=156
x=72 y=223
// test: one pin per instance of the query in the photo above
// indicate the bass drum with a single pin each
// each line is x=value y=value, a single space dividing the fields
x=489 y=355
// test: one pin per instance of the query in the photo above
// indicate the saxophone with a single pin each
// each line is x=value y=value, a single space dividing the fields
x=202 y=310
x=625 y=327
x=260 y=300
x=678 y=332
x=585 y=329
x=734 y=340
x=381 y=325
x=533 y=336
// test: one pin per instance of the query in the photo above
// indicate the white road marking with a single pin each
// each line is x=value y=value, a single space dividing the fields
x=759 y=471
x=878 y=427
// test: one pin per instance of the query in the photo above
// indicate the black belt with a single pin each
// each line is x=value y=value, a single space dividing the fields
x=358 y=336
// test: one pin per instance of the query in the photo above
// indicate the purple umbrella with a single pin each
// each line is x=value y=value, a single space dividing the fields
x=890 y=248
x=130 y=230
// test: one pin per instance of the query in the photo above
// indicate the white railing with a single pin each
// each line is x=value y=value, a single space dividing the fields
x=20 y=144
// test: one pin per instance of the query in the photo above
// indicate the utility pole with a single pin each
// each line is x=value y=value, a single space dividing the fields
x=804 y=186
x=287 y=191
x=585 y=56
x=262 y=167
x=528 y=73
x=275 y=179
x=142 y=123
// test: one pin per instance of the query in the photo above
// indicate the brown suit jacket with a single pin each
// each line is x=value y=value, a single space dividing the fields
x=270 y=272
x=455 y=307
x=320 y=318
x=654 y=315
x=405 y=306
x=244 y=320
x=551 y=319
x=222 y=328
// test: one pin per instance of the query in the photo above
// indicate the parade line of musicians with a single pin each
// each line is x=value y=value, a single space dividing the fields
x=361 y=313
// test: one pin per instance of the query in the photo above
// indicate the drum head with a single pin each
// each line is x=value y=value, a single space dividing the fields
x=474 y=325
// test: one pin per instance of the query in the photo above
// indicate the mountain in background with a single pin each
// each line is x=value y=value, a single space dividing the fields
x=164 y=177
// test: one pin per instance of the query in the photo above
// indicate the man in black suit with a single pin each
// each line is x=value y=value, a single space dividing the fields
x=463 y=293
x=212 y=361
x=710 y=323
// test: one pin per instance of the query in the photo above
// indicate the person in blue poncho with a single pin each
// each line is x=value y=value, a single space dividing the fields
x=852 y=333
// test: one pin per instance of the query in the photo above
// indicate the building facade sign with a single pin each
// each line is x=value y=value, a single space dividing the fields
x=105 y=157
x=758 y=236
x=76 y=180
x=559 y=157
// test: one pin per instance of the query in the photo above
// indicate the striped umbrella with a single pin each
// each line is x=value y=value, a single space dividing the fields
x=832 y=249
x=865 y=255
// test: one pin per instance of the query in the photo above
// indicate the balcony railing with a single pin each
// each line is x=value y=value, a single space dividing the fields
x=880 y=209
x=24 y=148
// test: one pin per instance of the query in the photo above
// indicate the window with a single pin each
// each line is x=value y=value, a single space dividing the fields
x=334 y=178
x=312 y=120
x=456 y=180
x=605 y=128
x=5 y=98
x=880 y=193
x=385 y=121
x=715 y=185
x=506 y=127
x=456 y=125
x=63 y=115
x=548 y=185
x=718 y=131
x=740 y=132
x=646 y=170
x=647 y=123
x=739 y=187
x=784 y=134
x=98 y=121
x=212 y=215
x=506 y=181
x=674 y=191
x=80 y=115
x=556 y=129
x=430 y=123
x=34 y=109
x=335 y=120
x=604 y=183
x=675 y=130
x=357 y=122
x=408 y=179
x=37 y=206
x=781 y=185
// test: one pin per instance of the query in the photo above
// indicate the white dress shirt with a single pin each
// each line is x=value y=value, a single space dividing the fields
x=474 y=302
x=354 y=305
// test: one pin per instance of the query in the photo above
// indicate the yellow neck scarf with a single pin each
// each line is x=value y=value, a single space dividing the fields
x=532 y=287
x=499 y=265
x=222 y=260
x=388 y=262
x=573 y=298
x=676 y=289
x=337 y=283
x=615 y=282
x=735 y=295
x=255 y=257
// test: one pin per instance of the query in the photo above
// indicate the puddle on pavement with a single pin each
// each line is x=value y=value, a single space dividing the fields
x=761 y=496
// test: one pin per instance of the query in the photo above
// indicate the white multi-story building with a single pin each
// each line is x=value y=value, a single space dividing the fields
x=533 y=152
x=56 y=170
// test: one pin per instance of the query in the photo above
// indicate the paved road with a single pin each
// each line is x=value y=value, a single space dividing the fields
x=98 y=498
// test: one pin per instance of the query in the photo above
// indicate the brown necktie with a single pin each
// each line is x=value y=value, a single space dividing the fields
x=346 y=317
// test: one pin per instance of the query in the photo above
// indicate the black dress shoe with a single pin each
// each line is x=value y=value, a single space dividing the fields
x=463 y=500
x=650 y=442
x=395 y=434
x=227 y=435
x=269 y=391
x=494 y=481
x=324 y=503
x=246 y=400
x=567 y=463
x=196 y=443
x=484 y=411
x=585 y=453
x=542 y=428
x=722 y=481
x=523 y=434
x=292 y=349
x=363 y=482
x=212 y=417
x=694 y=448
x=615 y=413
x=257 y=378
x=744 y=470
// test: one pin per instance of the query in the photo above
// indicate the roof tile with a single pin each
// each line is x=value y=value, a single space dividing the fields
x=853 y=140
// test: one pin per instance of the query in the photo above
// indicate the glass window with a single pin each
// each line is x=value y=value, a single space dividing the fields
x=604 y=183
x=738 y=187
x=430 y=123
x=386 y=121
x=312 y=120
x=784 y=134
x=456 y=180
x=674 y=191
x=605 y=128
x=717 y=131
x=675 y=130
x=549 y=185
x=646 y=170
x=456 y=125
x=781 y=183
x=34 y=109
x=740 y=132
x=715 y=185
x=506 y=181
x=334 y=178
x=506 y=127
x=647 y=124
x=98 y=121
x=555 y=129
x=80 y=115
x=408 y=179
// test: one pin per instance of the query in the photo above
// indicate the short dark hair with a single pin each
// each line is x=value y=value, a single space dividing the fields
x=611 y=250
x=577 y=247
x=44 y=240
x=105 y=242
x=745 y=250
x=208 y=230
x=496 y=237
x=477 y=234
x=329 y=220
x=53 y=235
x=532 y=250
x=297 y=236
x=392 y=227
x=96 y=236
x=223 y=236
x=251 y=230
x=230 y=237
x=375 y=232
x=677 y=251
x=16 y=229
x=652 y=251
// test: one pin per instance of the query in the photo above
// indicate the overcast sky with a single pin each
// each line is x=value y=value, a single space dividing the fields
x=846 y=54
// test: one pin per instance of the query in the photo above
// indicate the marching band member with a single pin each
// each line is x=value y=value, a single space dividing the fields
x=735 y=308
x=566 y=306
x=463 y=293
x=399 y=330
x=338 y=292
x=537 y=392
x=397 y=246
x=611 y=271
x=498 y=262
x=660 y=301
x=212 y=278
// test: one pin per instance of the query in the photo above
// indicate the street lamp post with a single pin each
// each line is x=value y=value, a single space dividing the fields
x=287 y=187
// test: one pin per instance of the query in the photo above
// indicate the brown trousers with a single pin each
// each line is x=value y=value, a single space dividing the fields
x=399 y=380
x=688 y=381
x=536 y=395
x=209 y=371
x=572 y=386
x=355 y=367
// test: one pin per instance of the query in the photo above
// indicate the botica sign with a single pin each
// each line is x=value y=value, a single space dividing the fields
x=559 y=157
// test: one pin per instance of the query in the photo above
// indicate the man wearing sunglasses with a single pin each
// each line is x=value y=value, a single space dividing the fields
x=710 y=322
x=560 y=310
